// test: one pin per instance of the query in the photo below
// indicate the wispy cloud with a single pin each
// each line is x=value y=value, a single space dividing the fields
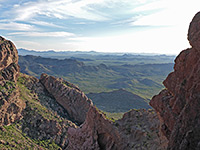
x=16 y=26
x=96 y=10
x=43 y=34
x=61 y=9
x=44 y=23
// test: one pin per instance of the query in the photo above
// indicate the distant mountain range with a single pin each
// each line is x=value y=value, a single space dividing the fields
x=93 y=57
x=141 y=79
x=23 y=51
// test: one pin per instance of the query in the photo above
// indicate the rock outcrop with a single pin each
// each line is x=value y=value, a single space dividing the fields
x=10 y=104
x=69 y=96
x=178 y=105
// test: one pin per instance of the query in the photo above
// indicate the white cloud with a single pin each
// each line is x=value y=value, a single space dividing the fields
x=43 y=23
x=43 y=34
x=16 y=26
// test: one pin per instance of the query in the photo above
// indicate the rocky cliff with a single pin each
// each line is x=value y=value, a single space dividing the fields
x=10 y=104
x=178 y=105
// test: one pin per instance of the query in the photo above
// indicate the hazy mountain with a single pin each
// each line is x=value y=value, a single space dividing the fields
x=118 y=101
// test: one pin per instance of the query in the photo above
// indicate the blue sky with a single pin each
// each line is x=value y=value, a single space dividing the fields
x=141 y=26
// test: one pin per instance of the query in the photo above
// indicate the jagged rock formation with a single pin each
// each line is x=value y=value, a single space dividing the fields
x=10 y=104
x=178 y=105
x=69 y=96
x=138 y=129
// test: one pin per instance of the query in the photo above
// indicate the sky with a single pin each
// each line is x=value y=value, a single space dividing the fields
x=129 y=26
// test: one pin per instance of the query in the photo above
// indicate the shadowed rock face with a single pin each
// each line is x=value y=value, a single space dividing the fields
x=10 y=104
x=138 y=130
x=178 y=105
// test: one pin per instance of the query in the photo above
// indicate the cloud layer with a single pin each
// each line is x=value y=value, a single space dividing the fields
x=104 y=22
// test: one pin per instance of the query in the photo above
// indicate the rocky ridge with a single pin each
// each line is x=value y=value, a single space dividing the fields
x=178 y=105
x=69 y=96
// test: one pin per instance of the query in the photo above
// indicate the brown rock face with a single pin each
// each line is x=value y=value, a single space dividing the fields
x=69 y=96
x=8 y=60
x=10 y=104
x=178 y=105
